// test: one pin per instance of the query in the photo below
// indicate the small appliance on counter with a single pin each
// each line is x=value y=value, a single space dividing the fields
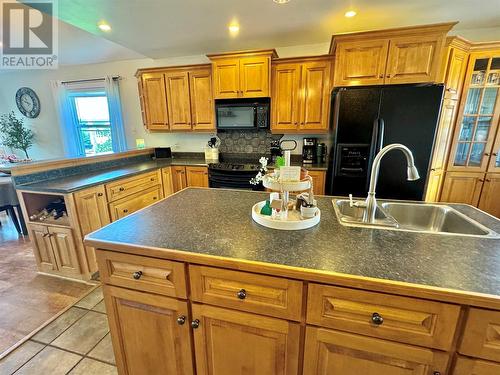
x=212 y=150
x=309 y=150
x=275 y=150
x=163 y=153
x=321 y=151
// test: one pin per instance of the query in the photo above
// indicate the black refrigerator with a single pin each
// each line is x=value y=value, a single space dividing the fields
x=365 y=119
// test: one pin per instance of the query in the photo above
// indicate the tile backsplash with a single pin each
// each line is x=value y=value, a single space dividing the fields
x=248 y=141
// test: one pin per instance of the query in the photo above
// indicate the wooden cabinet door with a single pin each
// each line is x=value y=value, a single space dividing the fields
x=462 y=187
x=286 y=96
x=179 y=107
x=65 y=250
x=93 y=214
x=360 y=62
x=146 y=335
x=444 y=134
x=168 y=182
x=318 y=182
x=197 y=176
x=42 y=248
x=490 y=195
x=455 y=73
x=202 y=105
x=472 y=366
x=494 y=165
x=155 y=101
x=179 y=177
x=132 y=203
x=230 y=342
x=329 y=352
x=226 y=73
x=315 y=95
x=413 y=59
x=434 y=185
x=254 y=76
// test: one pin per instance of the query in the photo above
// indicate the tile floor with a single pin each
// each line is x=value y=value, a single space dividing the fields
x=76 y=343
x=27 y=299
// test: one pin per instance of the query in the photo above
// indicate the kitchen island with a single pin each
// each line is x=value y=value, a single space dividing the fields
x=194 y=277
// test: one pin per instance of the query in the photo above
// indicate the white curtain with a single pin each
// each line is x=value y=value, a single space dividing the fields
x=70 y=134
x=112 y=89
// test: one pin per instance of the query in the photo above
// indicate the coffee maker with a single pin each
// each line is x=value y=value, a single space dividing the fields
x=309 y=150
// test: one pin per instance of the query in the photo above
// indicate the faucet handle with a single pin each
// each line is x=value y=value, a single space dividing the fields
x=351 y=202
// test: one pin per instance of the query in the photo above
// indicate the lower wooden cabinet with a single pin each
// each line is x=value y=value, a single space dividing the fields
x=318 y=178
x=434 y=185
x=471 y=366
x=168 y=182
x=482 y=335
x=150 y=333
x=179 y=177
x=135 y=202
x=329 y=352
x=490 y=195
x=197 y=176
x=55 y=250
x=230 y=342
x=462 y=187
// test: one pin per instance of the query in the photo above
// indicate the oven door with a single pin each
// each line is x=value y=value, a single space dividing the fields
x=235 y=116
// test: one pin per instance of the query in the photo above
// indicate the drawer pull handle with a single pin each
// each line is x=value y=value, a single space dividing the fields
x=195 y=323
x=181 y=320
x=125 y=210
x=377 y=319
x=121 y=189
x=242 y=294
x=137 y=275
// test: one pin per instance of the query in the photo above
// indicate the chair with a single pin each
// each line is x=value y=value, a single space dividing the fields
x=10 y=203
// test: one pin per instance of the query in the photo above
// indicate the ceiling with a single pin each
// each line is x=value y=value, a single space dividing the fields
x=166 y=28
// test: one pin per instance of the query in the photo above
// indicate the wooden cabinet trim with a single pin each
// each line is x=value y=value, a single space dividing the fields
x=157 y=275
x=265 y=295
x=408 y=320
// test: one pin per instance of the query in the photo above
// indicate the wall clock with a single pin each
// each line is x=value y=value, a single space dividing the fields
x=28 y=102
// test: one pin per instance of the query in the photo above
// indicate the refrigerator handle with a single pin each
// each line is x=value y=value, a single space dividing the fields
x=381 y=130
x=377 y=136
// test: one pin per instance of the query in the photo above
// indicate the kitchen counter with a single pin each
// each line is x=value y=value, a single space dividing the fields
x=70 y=184
x=197 y=224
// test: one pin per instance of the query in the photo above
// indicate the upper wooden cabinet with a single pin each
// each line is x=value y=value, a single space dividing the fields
x=177 y=98
x=242 y=74
x=301 y=95
x=154 y=101
x=454 y=66
x=394 y=56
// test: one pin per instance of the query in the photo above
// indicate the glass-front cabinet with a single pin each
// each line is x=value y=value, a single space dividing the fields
x=474 y=147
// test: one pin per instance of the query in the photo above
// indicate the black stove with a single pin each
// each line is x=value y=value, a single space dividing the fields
x=233 y=175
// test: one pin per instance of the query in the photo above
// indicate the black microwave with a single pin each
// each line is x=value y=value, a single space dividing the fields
x=242 y=113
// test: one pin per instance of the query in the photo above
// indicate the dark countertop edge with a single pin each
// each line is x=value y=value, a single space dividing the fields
x=173 y=162
x=326 y=277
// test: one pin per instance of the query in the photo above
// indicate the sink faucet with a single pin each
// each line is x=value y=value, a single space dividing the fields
x=371 y=202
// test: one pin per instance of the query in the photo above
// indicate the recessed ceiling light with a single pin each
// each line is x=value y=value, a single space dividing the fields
x=234 y=28
x=350 y=13
x=104 y=26
x=281 y=1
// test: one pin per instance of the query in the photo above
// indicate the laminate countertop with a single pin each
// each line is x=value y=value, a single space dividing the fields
x=217 y=224
x=70 y=184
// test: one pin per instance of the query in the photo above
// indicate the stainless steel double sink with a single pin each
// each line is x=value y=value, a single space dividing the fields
x=415 y=217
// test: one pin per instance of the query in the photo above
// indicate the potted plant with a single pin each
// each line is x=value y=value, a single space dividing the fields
x=14 y=134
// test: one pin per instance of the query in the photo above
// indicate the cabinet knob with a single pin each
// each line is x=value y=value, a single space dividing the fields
x=125 y=210
x=495 y=154
x=99 y=194
x=481 y=180
x=388 y=76
x=154 y=198
x=121 y=189
x=436 y=373
x=137 y=275
x=486 y=154
x=296 y=123
x=381 y=76
x=152 y=179
x=488 y=180
x=242 y=294
x=195 y=323
x=46 y=235
x=377 y=319
x=181 y=320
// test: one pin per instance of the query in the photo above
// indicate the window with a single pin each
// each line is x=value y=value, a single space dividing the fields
x=92 y=122
x=90 y=116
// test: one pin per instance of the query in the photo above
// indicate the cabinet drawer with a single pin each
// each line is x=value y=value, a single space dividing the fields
x=471 y=366
x=482 y=335
x=142 y=273
x=409 y=320
x=127 y=186
x=135 y=202
x=265 y=295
